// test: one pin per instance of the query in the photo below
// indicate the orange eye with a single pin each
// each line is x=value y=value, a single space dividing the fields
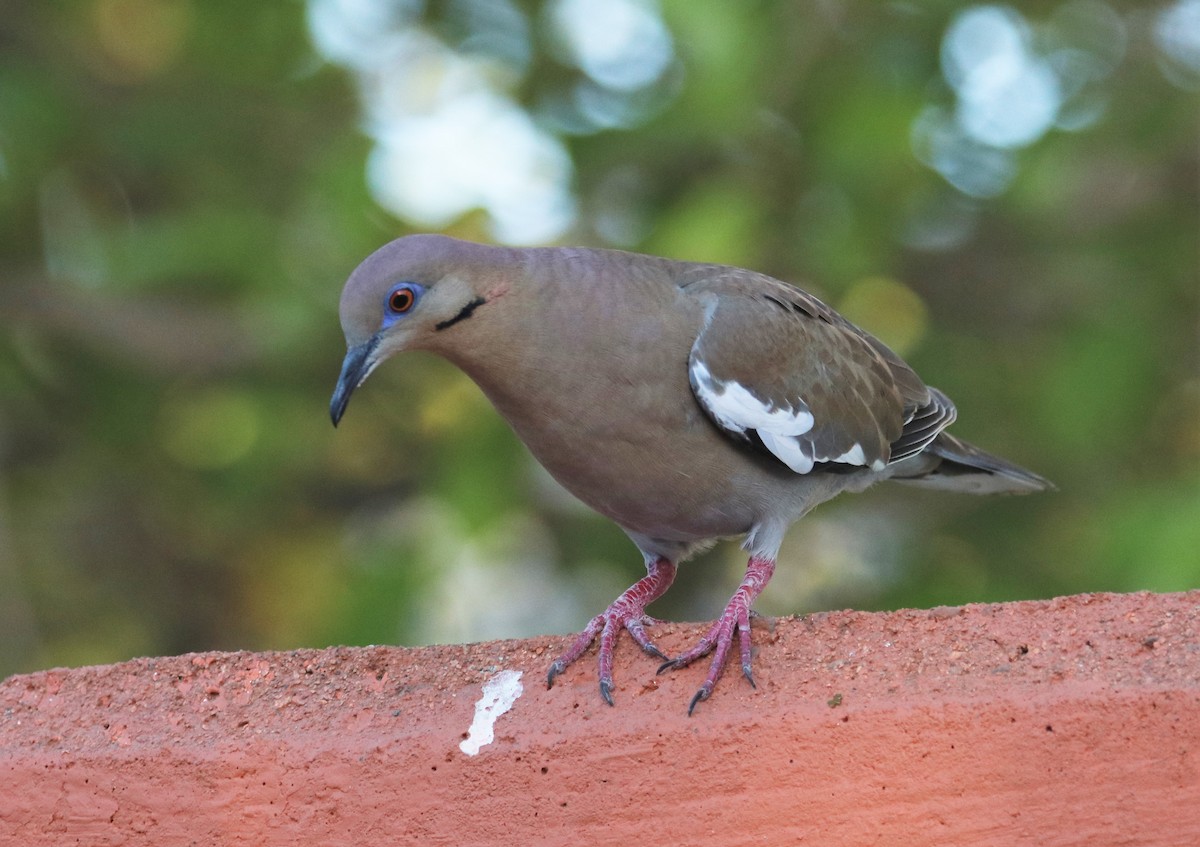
x=401 y=300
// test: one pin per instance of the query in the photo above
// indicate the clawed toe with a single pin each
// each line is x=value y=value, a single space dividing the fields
x=637 y=628
x=627 y=613
x=556 y=667
x=719 y=639
x=655 y=652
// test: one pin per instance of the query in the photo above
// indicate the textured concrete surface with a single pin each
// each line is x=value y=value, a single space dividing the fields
x=1068 y=722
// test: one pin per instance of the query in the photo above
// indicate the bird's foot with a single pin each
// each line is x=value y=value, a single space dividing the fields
x=626 y=612
x=718 y=641
x=719 y=638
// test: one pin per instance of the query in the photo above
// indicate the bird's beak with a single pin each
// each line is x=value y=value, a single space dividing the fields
x=355 y=368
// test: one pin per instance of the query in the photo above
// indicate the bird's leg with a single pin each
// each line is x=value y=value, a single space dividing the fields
x=719 y=638
x=628 y=612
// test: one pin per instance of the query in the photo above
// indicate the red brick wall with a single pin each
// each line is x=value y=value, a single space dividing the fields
x=1069 y=722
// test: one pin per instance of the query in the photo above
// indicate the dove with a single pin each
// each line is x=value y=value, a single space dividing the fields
x=686 y=402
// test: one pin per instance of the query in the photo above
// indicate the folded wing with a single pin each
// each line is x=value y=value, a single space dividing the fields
x=776 y=367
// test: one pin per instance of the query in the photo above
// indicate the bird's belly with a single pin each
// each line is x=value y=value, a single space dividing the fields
x=681 y=482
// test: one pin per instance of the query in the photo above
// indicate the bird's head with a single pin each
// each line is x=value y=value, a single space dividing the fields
x=404 y=296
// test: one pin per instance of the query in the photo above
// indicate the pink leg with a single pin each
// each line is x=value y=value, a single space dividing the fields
x=719 y=639
x=628 y=612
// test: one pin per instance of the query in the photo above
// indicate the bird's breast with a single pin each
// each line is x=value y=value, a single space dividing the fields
x=634 y=445
x=596 y=385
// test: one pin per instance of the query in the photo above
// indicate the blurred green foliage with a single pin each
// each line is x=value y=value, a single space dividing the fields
x=183 y=190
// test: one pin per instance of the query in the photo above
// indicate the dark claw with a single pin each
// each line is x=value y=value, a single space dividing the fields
x=555 y=669
x=637 y=628
x=666 y=666
x=749 y=676
x=700 y=697
x=606 y=691
x=655 y=652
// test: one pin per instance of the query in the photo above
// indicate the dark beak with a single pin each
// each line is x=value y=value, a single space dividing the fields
x=355 y=368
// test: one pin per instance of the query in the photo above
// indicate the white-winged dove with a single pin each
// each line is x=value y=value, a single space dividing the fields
x=686 y=402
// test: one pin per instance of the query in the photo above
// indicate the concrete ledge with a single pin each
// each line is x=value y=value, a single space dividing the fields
x=1069 y=722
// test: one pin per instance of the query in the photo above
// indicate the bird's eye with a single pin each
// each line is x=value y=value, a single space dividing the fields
x=401 y=300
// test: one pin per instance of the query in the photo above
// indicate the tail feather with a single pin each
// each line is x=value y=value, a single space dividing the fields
x=952 y=464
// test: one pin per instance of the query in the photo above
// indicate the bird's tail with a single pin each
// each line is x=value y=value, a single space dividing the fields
x=952 y=464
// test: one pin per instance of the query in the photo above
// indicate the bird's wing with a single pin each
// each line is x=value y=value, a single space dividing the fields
x=775 y=366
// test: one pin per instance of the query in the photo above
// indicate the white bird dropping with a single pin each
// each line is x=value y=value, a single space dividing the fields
x=499 y=694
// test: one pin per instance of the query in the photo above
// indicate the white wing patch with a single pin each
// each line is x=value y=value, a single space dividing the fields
x=788 y=450
x=780 y=428
x=737 y=410
x=854 y=456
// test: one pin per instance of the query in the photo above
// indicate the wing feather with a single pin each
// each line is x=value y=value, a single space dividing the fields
x=773 y=365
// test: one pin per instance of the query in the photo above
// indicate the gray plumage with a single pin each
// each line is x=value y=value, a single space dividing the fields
x=686 y=402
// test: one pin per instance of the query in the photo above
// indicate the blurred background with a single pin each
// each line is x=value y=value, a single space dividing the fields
x=1009 y=195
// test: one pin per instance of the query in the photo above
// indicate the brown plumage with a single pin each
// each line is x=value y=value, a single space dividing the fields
x=686 y=402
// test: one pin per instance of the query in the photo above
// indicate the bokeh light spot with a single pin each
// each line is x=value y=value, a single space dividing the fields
x=621 y=44
x=1014 y=81
x=888 y=309
x=140 y=38
x=1177 y=34
x=209 y=429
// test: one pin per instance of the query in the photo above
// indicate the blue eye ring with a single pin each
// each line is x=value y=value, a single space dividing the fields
x=400 y=300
